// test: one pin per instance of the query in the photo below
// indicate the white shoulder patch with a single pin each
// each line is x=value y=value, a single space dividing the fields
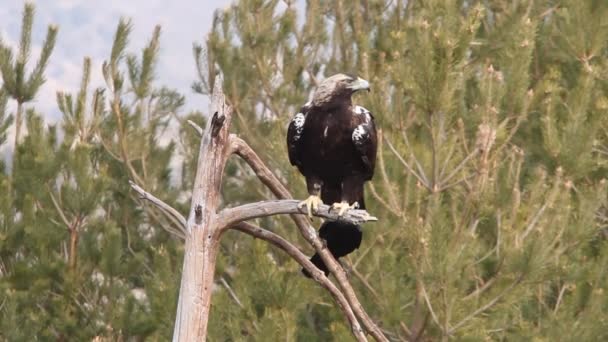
x=363 y=111
x=298 y=122
x=359 y=134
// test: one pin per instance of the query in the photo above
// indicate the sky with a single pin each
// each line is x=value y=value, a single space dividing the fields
x=86 y=28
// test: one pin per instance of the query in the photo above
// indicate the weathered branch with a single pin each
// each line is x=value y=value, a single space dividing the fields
x=196 y=127
x=303 y=260
x=231 y=216
x=242 y=149
x=205 y=225
x=279 y=242
x=164 y=207
x=202 y=233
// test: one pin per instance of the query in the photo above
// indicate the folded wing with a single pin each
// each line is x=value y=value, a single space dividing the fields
x=365 y=139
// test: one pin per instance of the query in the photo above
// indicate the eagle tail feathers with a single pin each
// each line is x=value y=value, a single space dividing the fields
x=317 y=261
x=341 y=238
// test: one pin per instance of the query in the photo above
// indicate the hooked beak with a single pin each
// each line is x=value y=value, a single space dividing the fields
x=359 y=84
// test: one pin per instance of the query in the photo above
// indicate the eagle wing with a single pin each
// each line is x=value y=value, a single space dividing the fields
x=294 y=134
x=365 y=139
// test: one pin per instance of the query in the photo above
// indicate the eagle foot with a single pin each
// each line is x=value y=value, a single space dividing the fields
x=312 y=203
x=343 y=207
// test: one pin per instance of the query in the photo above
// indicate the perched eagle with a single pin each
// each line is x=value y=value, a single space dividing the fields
x=333 y=144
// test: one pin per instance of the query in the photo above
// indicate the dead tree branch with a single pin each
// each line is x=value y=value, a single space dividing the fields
x=303 y=260
x=206 y=223
x=164 y=207
x=281 y=243
x=242 y=149
x=230 y=216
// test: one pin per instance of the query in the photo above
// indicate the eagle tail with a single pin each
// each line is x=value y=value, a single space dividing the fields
x=341 y=238
x=318 y=262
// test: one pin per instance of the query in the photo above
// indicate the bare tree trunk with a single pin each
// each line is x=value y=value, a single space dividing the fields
x=197 y=282
x=202 y=236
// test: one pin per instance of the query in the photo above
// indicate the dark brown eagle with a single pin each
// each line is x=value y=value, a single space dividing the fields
x=333 y=144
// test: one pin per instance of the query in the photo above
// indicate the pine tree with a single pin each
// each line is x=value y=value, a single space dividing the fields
x=83 y=258
x=490 y=183
x=21 y=87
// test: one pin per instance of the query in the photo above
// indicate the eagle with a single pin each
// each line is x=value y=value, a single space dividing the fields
x=333 y=144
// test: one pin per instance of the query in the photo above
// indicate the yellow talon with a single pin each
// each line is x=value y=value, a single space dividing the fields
x=312 y=203
x=343 y=207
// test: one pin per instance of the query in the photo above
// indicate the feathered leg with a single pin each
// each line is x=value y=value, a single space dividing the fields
x=352 y=194
x=314 y=200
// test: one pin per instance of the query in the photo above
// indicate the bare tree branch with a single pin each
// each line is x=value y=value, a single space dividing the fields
x=231 y=292
x=242 y=149
x=279 y=242
x=290 y=207
x=205 y=225
x=303 y=260
x=167 y=209
x=231 y=216
x=202 y=233
x=196 y=127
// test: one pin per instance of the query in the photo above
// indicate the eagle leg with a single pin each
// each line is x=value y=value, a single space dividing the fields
x=344 y=206
x=311 y=203
x=314 y=185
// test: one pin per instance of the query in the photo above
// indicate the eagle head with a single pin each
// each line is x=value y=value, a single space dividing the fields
x=336 y=89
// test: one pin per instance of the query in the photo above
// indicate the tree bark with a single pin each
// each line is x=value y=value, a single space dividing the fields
x=202 y=232
x=204 y=227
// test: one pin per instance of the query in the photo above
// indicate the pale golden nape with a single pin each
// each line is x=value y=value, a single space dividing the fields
x=327 y=89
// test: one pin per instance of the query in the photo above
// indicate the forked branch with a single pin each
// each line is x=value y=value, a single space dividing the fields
x=242 y=149
x=316 y=274
x=277 y=241
x=205 y=224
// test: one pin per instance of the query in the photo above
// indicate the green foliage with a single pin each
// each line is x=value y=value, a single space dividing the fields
x=81 y=256
x=490 y=185
x=18 y=85
x=5 y=119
